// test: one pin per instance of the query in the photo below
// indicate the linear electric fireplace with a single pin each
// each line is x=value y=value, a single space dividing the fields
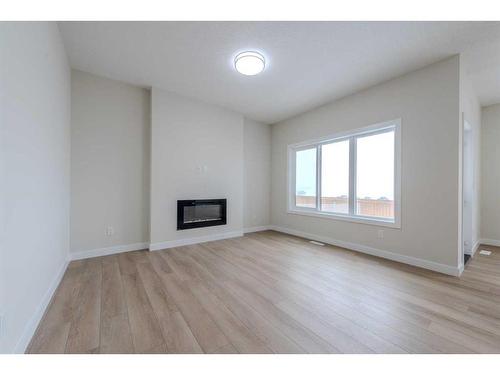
x=200 y=213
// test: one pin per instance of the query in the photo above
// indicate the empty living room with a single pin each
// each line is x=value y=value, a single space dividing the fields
x=209 y=183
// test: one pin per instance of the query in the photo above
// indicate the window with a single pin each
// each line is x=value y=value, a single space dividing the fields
x=375 y=175
x=352 y=176
x=335 y=177
x=305 y=181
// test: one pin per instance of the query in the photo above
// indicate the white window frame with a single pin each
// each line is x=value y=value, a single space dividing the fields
x=351 y=135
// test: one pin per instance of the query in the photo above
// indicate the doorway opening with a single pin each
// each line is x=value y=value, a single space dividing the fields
x=467 y=191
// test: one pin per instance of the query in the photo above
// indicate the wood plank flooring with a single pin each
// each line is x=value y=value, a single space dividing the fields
x=269 y=292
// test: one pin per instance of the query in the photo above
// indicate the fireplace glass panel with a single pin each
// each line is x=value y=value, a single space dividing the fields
x=201 y=213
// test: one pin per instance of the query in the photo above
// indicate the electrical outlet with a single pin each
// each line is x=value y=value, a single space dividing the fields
x=109 y=231
x=380 y=233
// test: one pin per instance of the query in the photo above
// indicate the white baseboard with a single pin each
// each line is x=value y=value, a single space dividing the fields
x=475 y=247
x=422 y=263
x=256 y=229
x=490 y=242
x=154 y=246
x=194 y=240
x=108 y=251
x=32 y=325
x=460 y=269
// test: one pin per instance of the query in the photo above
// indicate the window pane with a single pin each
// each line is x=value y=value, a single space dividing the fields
x=375 y=175
x=305 y=178
x=335 y=177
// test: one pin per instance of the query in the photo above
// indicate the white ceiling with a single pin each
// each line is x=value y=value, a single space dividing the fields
x=308 y=63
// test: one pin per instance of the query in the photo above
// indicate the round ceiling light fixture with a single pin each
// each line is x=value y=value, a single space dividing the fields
x=249 y=63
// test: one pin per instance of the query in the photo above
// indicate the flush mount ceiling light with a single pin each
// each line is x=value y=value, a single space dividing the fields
x=249 y=63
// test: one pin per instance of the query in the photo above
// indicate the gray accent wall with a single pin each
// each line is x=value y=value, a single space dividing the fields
x=427 y=102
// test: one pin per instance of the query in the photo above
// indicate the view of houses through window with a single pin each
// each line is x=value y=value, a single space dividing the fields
x=375 y=175
x=335 y=177
x=305 y=177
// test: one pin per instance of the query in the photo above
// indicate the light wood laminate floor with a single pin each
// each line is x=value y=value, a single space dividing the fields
x=269 y=292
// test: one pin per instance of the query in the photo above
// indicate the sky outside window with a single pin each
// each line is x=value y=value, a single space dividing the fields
x=305 y=176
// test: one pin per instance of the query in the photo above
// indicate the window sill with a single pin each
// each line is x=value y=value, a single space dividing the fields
x=352 y=219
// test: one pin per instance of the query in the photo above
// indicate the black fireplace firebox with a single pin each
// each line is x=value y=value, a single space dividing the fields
x=200 y=213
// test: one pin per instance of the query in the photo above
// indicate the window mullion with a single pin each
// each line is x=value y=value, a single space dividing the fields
x=352 y=176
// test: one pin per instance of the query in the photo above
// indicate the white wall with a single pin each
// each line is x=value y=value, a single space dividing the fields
x=35 y=174
x=427 y=101
x=110 y=135
x=490 y=185
x=257 y=177
x=188 y=136
x=471 y=111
